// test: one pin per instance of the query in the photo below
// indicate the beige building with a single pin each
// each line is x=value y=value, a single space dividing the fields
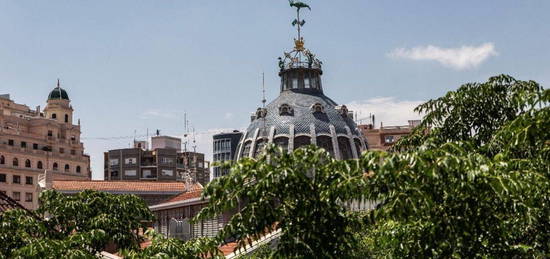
x=385 y=136
x=32 y=141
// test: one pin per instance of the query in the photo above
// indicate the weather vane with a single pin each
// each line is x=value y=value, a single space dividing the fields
x=298 y=23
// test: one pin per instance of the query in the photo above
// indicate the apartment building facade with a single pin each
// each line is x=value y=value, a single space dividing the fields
x=224 y=149
x=164 y=163
x=384 y=137
x=33 y=141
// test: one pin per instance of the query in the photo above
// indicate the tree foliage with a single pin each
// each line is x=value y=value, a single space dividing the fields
x=76 y=226
x=474 y=112
x=300 y=192
x=471 y=181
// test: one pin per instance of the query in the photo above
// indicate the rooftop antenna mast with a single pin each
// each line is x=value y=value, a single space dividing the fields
x=263 y=101
x=186 y=128
x=194 y=141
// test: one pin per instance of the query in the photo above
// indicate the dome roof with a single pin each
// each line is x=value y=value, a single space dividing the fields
x=310 y=116
x=302 y=115
x=58 y=93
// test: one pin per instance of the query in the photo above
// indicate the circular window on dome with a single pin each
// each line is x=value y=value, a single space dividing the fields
x=286 y=110
x=317 y=108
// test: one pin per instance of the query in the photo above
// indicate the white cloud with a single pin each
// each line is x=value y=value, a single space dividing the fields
x=388 y=110
x=464 y=57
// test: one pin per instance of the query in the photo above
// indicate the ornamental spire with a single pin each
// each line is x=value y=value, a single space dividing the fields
x=299 y=42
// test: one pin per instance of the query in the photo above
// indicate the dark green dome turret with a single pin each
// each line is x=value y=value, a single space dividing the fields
x=58 y=93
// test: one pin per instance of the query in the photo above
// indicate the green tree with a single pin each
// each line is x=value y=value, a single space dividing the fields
x=474 y=112
x=301 y=193
x=76 y=226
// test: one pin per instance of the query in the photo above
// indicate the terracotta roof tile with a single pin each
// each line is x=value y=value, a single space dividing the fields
x=195 y=192
x=129 y=186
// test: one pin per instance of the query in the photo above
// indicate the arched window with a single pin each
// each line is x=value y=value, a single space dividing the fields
x=66 y=118
x=67 y=168
x=55 y=166
x=15 y=162
x=260 y=144
x=282 y=142
x=246 y=149
x=345 y=148
x=2 y=160
x=27 y=163
x=326 y=143
x=39 y=165
x=54 y=116
x=301 y=141
x=78 y=169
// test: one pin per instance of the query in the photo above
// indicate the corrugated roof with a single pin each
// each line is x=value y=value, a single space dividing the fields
x=118 y=186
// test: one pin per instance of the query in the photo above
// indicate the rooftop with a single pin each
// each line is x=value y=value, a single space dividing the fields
x=119 y=186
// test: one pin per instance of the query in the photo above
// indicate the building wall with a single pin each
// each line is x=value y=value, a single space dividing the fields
x=31 y=143
x=385 y=136
x=155 y=165
x=174 y=222
x=224 y=149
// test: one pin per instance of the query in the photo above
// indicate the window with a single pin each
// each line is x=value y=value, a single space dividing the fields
x=2 y=160
x=10 y=142
x=28 y=196
x=130 y=161
x=61 y=150
x=281 y=142
x=246 y=149
x=50 y=133
x=78 y=169
x=67 y=168
x=113 y=161
x=16 y=179
x=114 y=173
x=73 y=152
x=55 y=166
x=285 y=109
x=39 y=165
x=345 y=148
x=35 y=146
x=166 y=172
x=2 y=178
x=389 y=139
x=166 y=160
x=28 y=163
x=301 y=141
x=28 y=179
x=260 y=144
x=130 y=172
x=23 y=144
x=66 y=118
x=15 y=162
x=317 y=108
x=54 y=116
x=342 y=110
x=17 y=196
x=148 y=174
x=326 y=143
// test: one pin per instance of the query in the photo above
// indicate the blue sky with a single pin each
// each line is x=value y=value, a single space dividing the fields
x=133 y=65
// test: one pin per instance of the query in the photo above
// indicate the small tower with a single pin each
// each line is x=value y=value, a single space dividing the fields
x=59 y=106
